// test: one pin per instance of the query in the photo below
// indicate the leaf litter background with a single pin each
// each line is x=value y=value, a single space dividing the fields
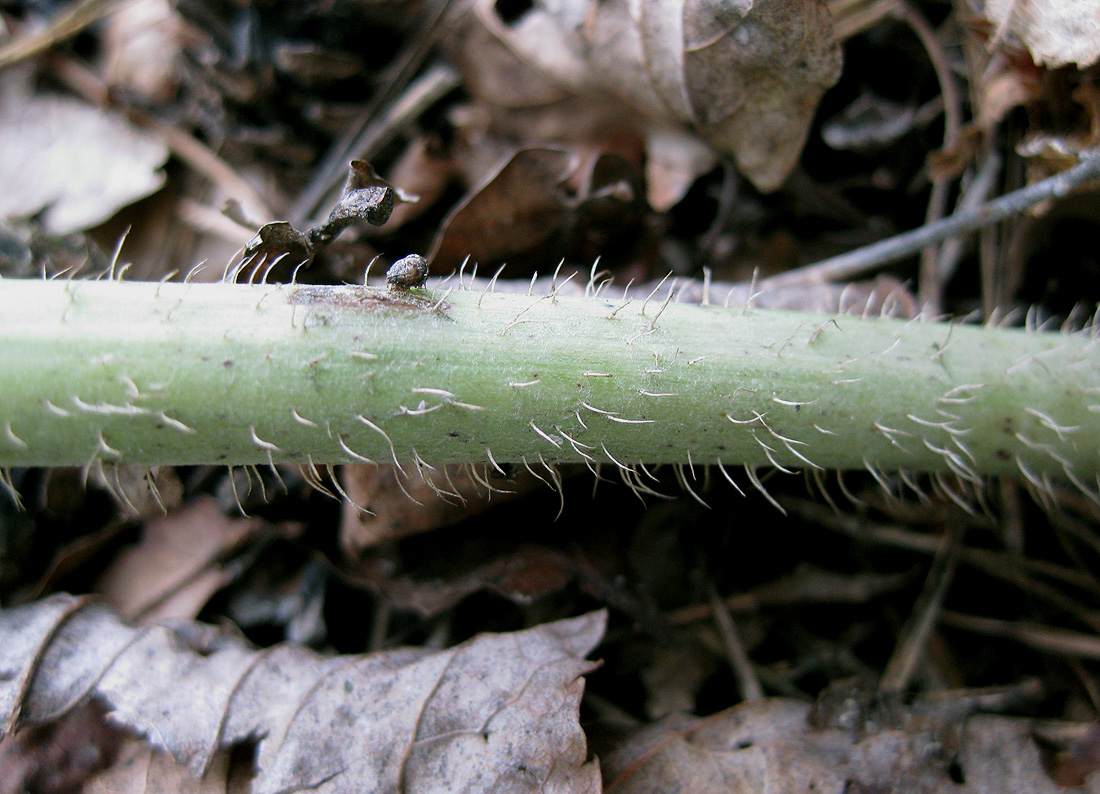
x=246 y=632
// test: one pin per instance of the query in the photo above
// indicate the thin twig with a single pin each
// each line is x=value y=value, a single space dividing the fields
x=1017 y=570
x=930 y=284
x=1045 y=638
x=739 y=660
x=903 y=663
x=421 y=94
x=975 y=193
x=882 y=253
x=806 y=585
x=64 y=26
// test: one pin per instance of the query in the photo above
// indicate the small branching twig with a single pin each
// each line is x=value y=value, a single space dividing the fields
x=862 y=260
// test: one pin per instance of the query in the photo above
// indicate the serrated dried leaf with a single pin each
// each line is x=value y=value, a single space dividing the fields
x=498 y=712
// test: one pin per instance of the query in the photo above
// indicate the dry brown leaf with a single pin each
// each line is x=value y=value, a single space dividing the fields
x=1004 y=85
x=516 y=208
x=745 y=77
x=172 y=572
x=674 y=677
x=754 y=77
x=498 y=712
x=75 y=164
x=1055 y=32
x=56 y=758
x=772 y=745
x=522 y=575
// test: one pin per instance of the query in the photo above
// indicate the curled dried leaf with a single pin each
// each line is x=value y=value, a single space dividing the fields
x=366 y=197
x=279 y=238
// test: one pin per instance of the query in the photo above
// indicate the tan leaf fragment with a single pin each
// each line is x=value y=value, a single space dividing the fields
x=498 y=712
x=452 y=494
x=139 y=769
x=753 y=73
x=142 y=49
x=674 y=160
x=172 y=572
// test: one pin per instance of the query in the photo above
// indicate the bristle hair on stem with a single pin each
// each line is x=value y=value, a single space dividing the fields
x=8 y=486
x=754 y=478
x=334 y=477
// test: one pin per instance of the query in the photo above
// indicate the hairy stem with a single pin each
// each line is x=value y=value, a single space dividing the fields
x=106 y=372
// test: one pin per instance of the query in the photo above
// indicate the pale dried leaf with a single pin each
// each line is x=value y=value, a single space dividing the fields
x=753 y=74
x=498 y=712
x=495 y=71
x=1055 y=32
x=745 y=77
x=75 y=164
x=544 y=39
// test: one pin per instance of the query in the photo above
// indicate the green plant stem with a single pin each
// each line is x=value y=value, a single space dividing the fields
x=109 y=372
